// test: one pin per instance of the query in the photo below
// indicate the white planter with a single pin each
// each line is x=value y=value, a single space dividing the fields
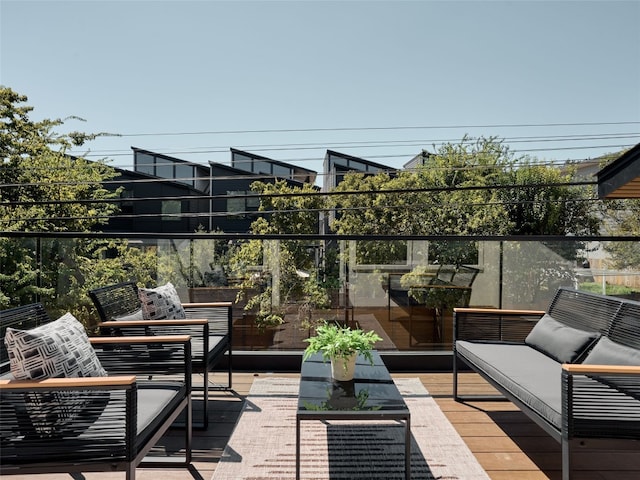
x=342 y=369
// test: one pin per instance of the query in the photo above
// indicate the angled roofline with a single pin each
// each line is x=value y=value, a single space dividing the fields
x=270 y=160
x=621 y=177
x=168 y=157
x=360 y=159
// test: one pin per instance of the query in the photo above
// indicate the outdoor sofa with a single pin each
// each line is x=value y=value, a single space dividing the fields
x=574 y=369
x=91 y=423
x=208 y=324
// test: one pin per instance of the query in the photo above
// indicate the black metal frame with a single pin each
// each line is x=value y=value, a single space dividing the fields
x=103 y=434
x=597 y=401
x=204 y=321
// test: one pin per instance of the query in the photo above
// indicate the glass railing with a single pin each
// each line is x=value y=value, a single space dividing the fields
x=282 y=287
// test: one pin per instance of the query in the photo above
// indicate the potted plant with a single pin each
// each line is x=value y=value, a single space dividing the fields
x=341 y=345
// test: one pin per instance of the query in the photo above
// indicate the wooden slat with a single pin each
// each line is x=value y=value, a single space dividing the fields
x=140 y=340
x=499 y=310
x=207 y=304
x=600 y=369
x=69 y=382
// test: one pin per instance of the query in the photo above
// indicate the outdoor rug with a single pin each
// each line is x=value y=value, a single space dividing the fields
x=262 y=446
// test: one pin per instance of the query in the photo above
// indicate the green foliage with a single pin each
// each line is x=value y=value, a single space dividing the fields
x=334 y=341
x=540 y=205
x=42 y=189
x=288 y=210
x=293 y=210
x=596 y=287
x=624 y=216
x=435 y=199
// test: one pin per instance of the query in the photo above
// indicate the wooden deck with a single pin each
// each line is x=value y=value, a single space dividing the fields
x=506 y=443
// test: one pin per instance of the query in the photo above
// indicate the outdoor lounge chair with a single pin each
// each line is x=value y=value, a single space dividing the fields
x=208 y=324
x=104 y=423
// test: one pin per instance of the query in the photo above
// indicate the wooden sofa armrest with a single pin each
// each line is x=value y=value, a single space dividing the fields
x=81 y=382
x=587 y=369
x=498 y=311
x=140 y=340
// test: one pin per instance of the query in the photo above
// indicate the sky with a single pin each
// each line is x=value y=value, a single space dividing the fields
x=380 y=80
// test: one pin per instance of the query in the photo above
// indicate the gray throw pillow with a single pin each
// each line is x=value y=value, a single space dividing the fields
x=559 y=341
x=608 y=352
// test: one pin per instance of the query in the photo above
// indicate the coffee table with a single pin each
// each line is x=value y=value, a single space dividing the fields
x=371 y=395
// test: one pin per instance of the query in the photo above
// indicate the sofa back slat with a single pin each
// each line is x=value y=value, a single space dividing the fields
x=116 y=301
x=24 y=317
x=626 y=327
x=587 y=311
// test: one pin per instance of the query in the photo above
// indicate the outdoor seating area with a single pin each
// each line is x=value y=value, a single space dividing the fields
x=507 y=444
x=92 y=419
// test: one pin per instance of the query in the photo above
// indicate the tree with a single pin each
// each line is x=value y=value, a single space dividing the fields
x=625 y=221
x=293 y=210
x=539 y=202
x=449 y=194
x=43 y=189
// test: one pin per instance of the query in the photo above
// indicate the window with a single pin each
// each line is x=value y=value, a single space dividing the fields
x=238 y=203
x=145 y=163
x=171 y=210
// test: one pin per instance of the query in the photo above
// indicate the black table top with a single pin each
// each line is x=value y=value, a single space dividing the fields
x=372 y=390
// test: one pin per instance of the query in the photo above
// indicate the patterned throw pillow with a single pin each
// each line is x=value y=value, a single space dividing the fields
x=57 y=349
x=161 y=303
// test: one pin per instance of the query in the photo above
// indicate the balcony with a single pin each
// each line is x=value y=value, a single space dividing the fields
x=511 y=273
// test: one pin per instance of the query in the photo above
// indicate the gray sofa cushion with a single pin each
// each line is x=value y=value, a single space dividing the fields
x=562 y=343
x=607 y=352
x=528 y=374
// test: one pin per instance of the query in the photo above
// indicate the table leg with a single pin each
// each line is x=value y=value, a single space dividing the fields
x=297 y=448
x=407 y=449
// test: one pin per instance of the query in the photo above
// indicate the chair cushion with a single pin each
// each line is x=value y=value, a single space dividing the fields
x=526 y=373
x=161 y=303
x=156 y=401
x=608 y=352
x=562 y=343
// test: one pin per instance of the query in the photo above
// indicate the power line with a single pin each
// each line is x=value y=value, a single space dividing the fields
x=267 y=213
x=358 y=129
